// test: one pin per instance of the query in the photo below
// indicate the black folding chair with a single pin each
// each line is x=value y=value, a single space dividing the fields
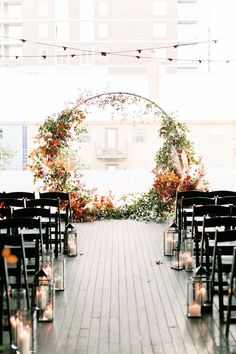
x=4 y=298
x=199 y=212
x=31 y=230
x=19 y=195
x=15 y=244
x=224 y=244
x=231 y=295
x=46 y=222
x=54 y=206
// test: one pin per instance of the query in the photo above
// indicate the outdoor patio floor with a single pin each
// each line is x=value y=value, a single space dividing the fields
x=122 y=297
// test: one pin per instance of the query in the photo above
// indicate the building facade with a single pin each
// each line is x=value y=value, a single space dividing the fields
x=84 y=32
x=123 y=145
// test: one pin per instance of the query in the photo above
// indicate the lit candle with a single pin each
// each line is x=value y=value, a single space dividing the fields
x=17 y=326
x=201 y=293
x=189 y=264
x=24 y=342
x=72 y=248
x=48 y=271
x=41 y=298
x=194 y=310
x=48 y=314
x=59 y=282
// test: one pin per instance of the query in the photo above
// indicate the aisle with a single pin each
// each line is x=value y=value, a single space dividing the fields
x=122 y=297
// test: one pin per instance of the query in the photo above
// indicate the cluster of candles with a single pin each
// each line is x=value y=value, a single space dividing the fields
x=197 y=300
x=22 y=333
x=44 y=299
x=71 y=246
x=188 y=260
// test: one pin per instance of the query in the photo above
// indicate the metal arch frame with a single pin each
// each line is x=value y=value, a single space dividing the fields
x=122 y=93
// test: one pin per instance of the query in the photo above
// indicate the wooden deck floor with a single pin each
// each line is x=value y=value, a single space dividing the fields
x=122 y=297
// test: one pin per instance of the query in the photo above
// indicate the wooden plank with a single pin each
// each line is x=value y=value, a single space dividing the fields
x=122 y=297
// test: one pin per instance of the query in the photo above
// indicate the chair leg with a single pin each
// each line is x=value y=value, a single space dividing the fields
x=4 y=284
x=230 y=294
x=228 y=316
x=220 y=287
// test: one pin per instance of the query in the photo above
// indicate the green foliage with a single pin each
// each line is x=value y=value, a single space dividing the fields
x=6 y=155
x=145 y=206
x=175 y=138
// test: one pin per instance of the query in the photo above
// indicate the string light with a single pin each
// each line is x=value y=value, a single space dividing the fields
x=123 y=53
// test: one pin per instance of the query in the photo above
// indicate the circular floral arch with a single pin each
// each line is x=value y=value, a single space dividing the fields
x=54 y=163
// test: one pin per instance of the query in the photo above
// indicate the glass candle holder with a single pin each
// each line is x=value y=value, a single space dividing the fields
x=188 y=255
x=59 y=272
x=199 y=291
x=177 y=262
x=23 y=332
x=47 y=264
x=45 y=301
x=170 y=238
x=193 y=301
x=43 y=294
x=71 y=236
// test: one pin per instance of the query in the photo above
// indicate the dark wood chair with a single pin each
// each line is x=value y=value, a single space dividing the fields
x=185 y=194
x=224 y=244
x=226 y=200
x=19 y=195
x=231 y=294
x=15 y=244
x=209 y=227
x=31 y=230
x=54 y=206
x=4 y=299
x=65 y=209
x=46 y=223
x=198 y=214
x=12 y=203
x=222 y=193
x=186 y=209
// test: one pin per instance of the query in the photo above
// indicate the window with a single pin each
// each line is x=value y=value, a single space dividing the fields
x=159 y=8
x=103 y=30
x=61 y=57
x=187 y=32
x=103 y=8
x=15 y=12
x=87 y=31
x=61 y=10
x=86 y=54
x=43 y=8
x=86 y=9
x=43 y=30
x=62 y=31
x=139 y=135
x=159 y=30
x=15 y=32
x=111 y=138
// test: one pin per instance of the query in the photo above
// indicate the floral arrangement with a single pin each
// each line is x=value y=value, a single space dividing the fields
x=177 y=167
x=52 y=161
x=56 y=165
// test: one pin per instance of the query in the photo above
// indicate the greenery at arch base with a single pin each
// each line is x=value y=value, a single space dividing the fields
x=54 y=164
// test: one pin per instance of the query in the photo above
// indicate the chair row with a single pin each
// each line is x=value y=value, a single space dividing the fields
x=215 y=241
x=185 y=204
x=53 y=207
